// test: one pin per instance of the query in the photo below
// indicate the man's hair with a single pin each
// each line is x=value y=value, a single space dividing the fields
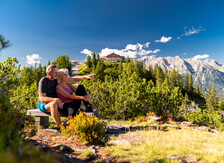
x=50 y=68
x=60 y=73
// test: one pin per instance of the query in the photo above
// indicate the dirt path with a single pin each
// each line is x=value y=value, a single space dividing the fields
x=69 y=149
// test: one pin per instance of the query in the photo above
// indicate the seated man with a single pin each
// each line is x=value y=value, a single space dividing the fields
x=48 y=99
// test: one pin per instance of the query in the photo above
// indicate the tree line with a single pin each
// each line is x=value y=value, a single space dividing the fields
x=123 y=90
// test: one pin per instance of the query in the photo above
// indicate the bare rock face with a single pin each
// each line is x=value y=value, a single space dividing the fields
x=205 y=73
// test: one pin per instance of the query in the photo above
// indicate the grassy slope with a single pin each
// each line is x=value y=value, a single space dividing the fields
x=160 y=143
x=155 y=145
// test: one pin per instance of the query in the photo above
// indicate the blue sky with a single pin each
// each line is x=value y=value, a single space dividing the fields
x=41 y=30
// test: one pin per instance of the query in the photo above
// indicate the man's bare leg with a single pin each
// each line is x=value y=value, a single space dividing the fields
x=53 y=108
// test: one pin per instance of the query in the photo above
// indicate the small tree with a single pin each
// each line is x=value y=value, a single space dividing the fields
x=63 y=62
x=185 y=104
x=98 y=57
x=88 y=61
x=190 y=85
x=165 y=73
x=221 y=103
x=175 y=79
x=160 y=77
x=127 y=59
x=44 y=71
x=186 y=82
x=94 y=62
x=211 y=100
x=99 y=71
x=198 y=91
x=27 y=76
x=120 y=67
x=49 y=62
x=8 y=76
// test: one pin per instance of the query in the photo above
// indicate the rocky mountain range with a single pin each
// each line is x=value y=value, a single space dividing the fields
x=205 y=73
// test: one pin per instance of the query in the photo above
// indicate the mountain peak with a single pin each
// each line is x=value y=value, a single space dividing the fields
x=212 y=62
x=205 y=73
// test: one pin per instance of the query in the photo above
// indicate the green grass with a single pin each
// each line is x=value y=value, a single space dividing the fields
x=53 y=124
x=83 y=69
x=63 y=120
x=160 y=146
x=134 y=123
x=83 y=66
x=87 y=153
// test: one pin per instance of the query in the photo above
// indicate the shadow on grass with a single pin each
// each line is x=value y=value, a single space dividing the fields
x=159 y=161
x=116 y=131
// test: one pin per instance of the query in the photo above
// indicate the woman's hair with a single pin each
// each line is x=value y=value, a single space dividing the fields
x=60 y=73
x=50 y=68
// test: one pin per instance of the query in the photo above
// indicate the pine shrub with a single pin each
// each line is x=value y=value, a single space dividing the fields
x=89 y=129
x=212 y=119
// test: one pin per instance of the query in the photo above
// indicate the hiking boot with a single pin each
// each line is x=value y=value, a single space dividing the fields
x=66 y=124
x=95 y=112
x=89 y=109
x=81 y=110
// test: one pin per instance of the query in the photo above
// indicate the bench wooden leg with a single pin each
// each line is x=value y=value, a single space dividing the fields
x=42 y=121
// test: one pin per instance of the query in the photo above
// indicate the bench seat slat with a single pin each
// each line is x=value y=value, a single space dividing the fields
x=42 y=119
x=37 y=112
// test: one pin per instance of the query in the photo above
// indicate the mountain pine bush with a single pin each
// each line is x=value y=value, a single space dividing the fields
x=89 y=129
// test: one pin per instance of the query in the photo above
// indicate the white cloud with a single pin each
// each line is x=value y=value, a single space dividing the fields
x=204 y=56
x=164 y=39
x=126 y=53
x=134 y=47
x=123 y=52
x=146 y=44
x=32 y=59
x=156 y=51
x=131 y=50
x=140 y=46
x=86 y=51
x=131 y=47
x=191 y=31
x=145 y=52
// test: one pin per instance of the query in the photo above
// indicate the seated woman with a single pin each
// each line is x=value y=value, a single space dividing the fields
x=65 y=92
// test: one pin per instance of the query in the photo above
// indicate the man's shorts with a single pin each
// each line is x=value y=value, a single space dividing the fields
x=41 y=107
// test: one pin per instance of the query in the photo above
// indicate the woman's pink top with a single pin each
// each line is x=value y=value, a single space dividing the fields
x=64 y=99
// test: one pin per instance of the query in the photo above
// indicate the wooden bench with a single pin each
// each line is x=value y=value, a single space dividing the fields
x=42 y=118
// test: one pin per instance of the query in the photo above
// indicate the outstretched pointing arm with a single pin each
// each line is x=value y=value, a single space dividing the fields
x=79 y=78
